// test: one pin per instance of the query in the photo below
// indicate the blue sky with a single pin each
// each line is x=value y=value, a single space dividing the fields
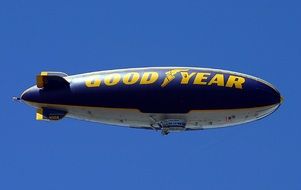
x=259 y=37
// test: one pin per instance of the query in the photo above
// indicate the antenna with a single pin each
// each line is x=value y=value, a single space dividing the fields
x=16 y=99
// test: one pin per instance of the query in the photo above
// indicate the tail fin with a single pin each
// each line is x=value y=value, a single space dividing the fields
x=52 y=80
x=50 y=114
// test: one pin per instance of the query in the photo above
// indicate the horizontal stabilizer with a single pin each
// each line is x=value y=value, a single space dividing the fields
x=52 y=80
x=50 y=114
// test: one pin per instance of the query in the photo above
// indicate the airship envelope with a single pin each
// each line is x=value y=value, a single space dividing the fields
x=157 y=98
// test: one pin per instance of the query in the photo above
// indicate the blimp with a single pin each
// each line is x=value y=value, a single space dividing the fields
x=164 y=99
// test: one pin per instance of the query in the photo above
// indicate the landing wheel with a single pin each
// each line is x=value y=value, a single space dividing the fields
x=164 y=131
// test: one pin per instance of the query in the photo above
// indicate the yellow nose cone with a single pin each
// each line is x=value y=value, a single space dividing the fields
x=281 y=99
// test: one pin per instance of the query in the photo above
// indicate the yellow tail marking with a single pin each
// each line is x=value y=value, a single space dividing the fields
x=39 y=114
x=44 y=73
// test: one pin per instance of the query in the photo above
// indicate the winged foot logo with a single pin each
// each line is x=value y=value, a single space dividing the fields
x=170 y=75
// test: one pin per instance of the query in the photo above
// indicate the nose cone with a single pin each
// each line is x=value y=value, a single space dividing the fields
x=276 y=96
x=281 y=99
x=270 y=94
x=31 y=95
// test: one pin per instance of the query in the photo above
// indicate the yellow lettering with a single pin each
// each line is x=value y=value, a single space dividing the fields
x=131 y=78
x=186 y=77
x=217 y=79
x=112 y=79
x=200 y=77
x=93 y=81
x=235 y=81
x=149 y=77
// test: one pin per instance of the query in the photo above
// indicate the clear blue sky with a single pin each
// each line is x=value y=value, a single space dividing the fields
x=260 y=38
